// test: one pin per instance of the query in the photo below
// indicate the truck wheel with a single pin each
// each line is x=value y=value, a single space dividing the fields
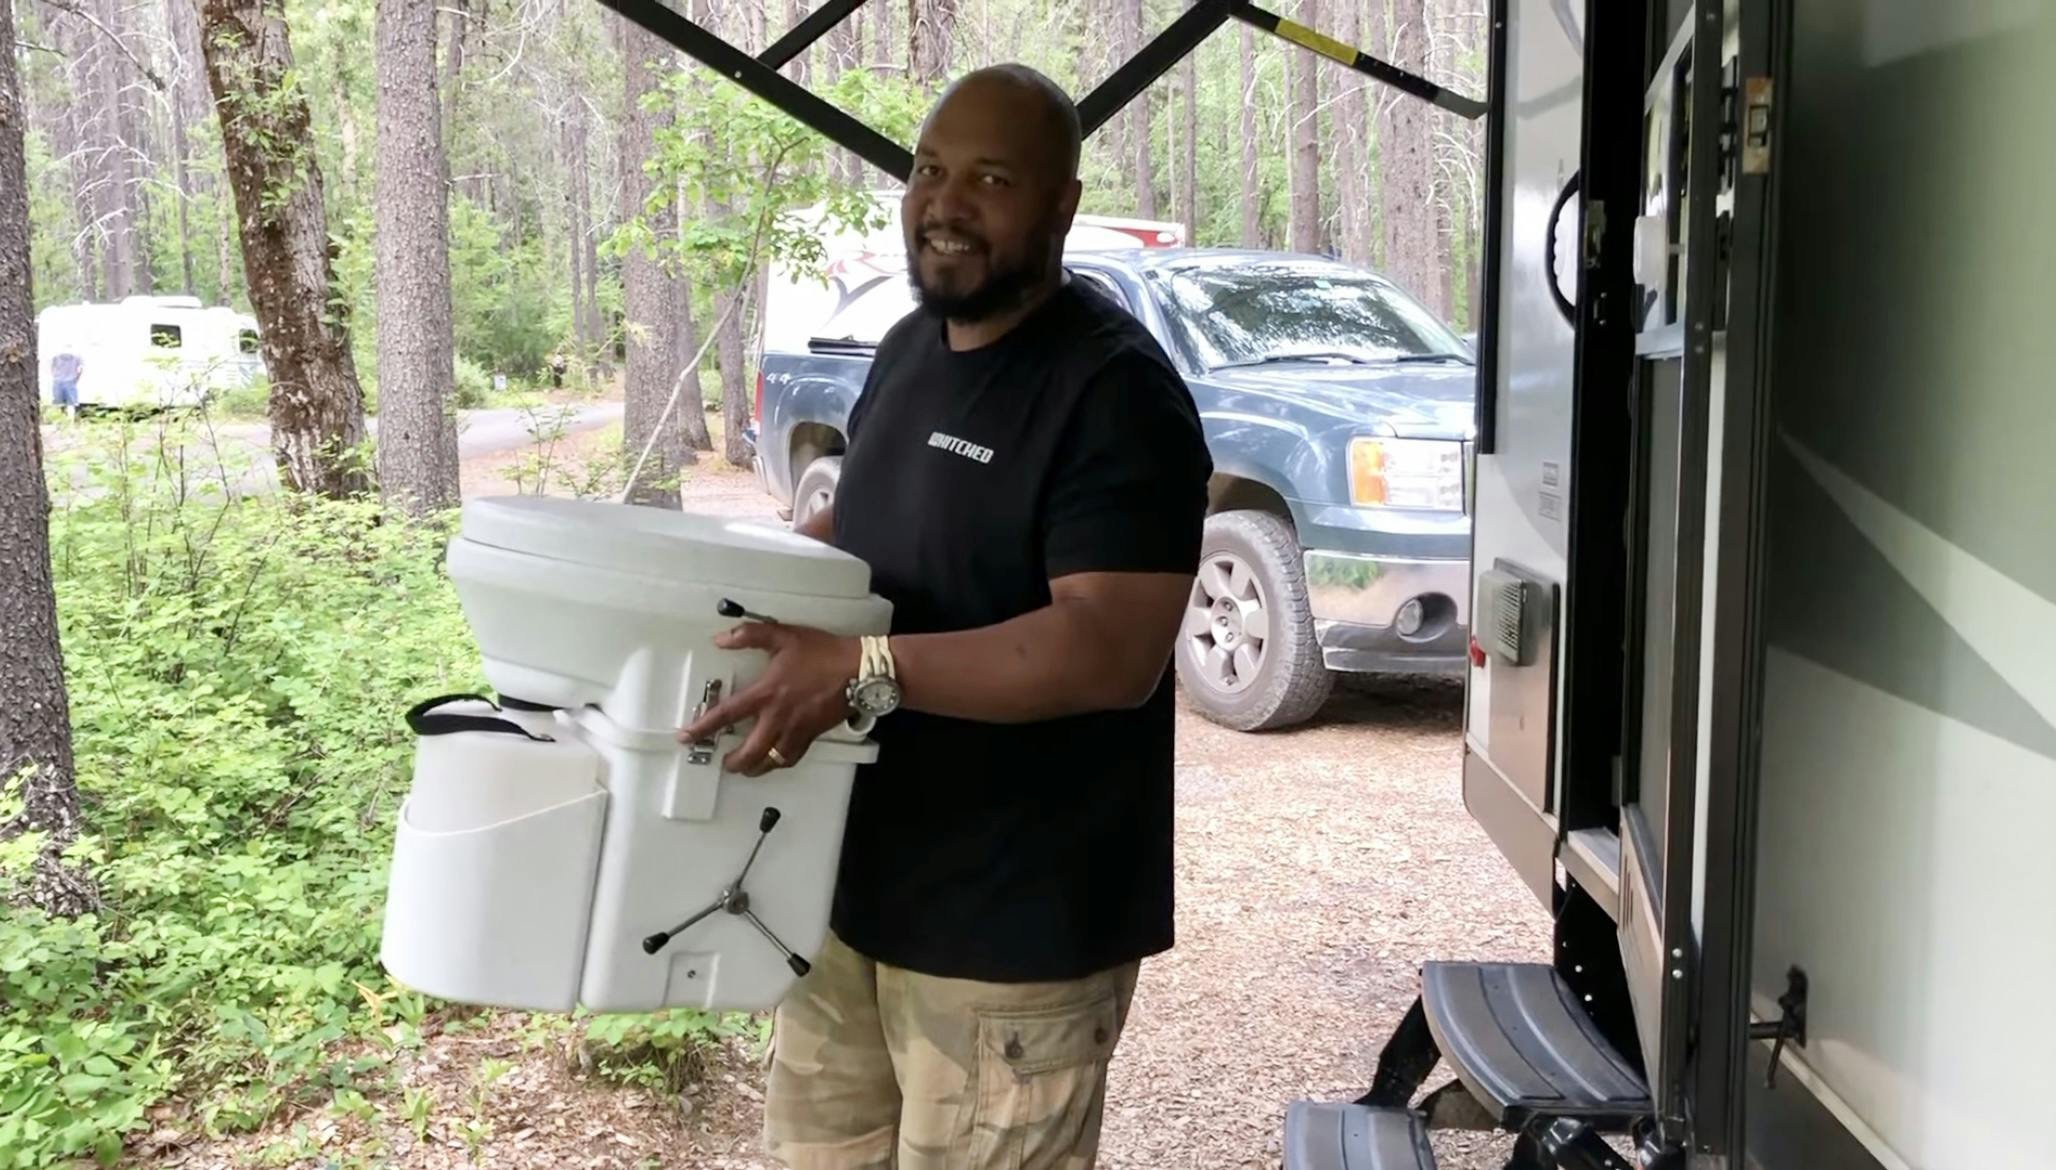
x=1247 y=654
x=816 y=488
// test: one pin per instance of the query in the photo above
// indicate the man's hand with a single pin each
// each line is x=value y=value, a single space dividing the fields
x=801 y=694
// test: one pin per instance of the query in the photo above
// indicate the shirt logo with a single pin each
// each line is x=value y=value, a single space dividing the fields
x=956 y=446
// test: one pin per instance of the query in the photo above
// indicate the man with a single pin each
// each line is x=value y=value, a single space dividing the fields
x=65 y=369
x=1026 y=477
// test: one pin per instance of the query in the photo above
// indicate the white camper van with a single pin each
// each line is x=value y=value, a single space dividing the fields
x=149 y=351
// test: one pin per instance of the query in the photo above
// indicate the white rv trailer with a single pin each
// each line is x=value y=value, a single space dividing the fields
x=1762 y=705
x=149 y=351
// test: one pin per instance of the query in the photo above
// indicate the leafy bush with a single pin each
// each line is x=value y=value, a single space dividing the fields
x=237 y=669
x=474 y=386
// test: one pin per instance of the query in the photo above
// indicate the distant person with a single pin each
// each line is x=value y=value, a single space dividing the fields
x=558 y=364
x=64 y=381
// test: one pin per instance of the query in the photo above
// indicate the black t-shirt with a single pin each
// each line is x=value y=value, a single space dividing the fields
x=1016 y=853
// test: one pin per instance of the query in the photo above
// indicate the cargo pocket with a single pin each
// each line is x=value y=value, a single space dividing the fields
x=1041 y=1081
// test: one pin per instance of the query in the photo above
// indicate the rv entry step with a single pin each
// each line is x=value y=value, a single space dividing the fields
x=1516 y=1037
x=1332 y=1135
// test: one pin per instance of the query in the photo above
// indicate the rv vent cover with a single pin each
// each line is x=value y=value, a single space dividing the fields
x=1502 y=628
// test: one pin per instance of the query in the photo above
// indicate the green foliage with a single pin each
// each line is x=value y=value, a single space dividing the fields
x=663 y=1050
x=746 y=171
x=474 y=386
x=237 y=667
x=509 y=304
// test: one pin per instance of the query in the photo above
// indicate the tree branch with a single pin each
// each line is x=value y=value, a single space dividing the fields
x=89 y=18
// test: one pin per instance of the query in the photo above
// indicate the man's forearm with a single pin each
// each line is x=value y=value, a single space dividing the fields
x=1063 y=659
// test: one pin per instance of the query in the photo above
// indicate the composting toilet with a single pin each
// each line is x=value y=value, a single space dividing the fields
x=560 y=848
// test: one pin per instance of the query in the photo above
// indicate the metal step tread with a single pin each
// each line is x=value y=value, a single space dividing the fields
x=1516 y=1037
x=1334 y=1135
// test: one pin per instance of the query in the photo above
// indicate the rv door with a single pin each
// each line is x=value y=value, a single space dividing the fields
x=1677 y=379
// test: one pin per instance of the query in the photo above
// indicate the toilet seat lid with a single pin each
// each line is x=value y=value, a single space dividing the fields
x=682 y=546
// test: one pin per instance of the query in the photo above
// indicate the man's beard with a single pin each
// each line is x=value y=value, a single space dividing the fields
x=1004 y=287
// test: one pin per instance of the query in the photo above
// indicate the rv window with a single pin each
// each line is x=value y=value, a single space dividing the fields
x=247 y=341
x=167 y=336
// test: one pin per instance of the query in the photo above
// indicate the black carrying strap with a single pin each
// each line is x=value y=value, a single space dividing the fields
x=422 y=722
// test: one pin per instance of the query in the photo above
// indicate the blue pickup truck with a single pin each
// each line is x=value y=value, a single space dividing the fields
x=1339 y=414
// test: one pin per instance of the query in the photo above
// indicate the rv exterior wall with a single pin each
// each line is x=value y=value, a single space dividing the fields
x=1522 y=489
x=1909 y=738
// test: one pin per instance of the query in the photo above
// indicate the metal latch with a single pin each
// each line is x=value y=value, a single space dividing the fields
x=1789 y=1026
x=1756 y=110
x=701 y=751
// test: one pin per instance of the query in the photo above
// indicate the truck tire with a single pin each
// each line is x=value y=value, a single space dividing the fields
x=1247 y=655
x=816 y=488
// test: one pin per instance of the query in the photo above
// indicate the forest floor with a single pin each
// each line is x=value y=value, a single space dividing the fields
x=1317 y=869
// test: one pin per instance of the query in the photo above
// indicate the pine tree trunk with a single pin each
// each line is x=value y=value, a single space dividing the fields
x=189 y=107
x=72 y=135
x=183 y=180
x=1304 y=112
x=225 y=256
x=1474 y=137
x=132 y=125
x=1188 y=146
x=109 y=162
x=735 y=397
x=453 y=57
x=317 y=407
x=1252 y=223
x=571 y=141
x=1136 y=121
x=732 y=304
x=650 y=296
x=1406 y=155
x=692 y=401
x=1379 y=99
x=931 y=29
x=843 y=54
x=1351 y=129
x=35 y=719
x=596 y=325
x=417 y=425
x=459 y=17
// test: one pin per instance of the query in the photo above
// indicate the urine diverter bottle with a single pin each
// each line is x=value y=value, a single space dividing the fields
x=559 y=847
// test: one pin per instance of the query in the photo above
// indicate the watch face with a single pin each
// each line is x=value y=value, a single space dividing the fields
x=875 y=696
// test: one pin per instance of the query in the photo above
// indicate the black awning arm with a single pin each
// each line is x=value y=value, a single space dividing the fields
x=1154 y=59
x=760 y=74
x=1362 y=62
x=807 y=31
x=767 y=83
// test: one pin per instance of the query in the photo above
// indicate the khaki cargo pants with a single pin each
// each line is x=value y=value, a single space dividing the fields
x=878 y=1068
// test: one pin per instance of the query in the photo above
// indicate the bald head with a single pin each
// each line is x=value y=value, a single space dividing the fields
x=992 y=194
x=1030 y=101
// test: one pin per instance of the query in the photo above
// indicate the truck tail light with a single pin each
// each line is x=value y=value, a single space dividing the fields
x=757 y=404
